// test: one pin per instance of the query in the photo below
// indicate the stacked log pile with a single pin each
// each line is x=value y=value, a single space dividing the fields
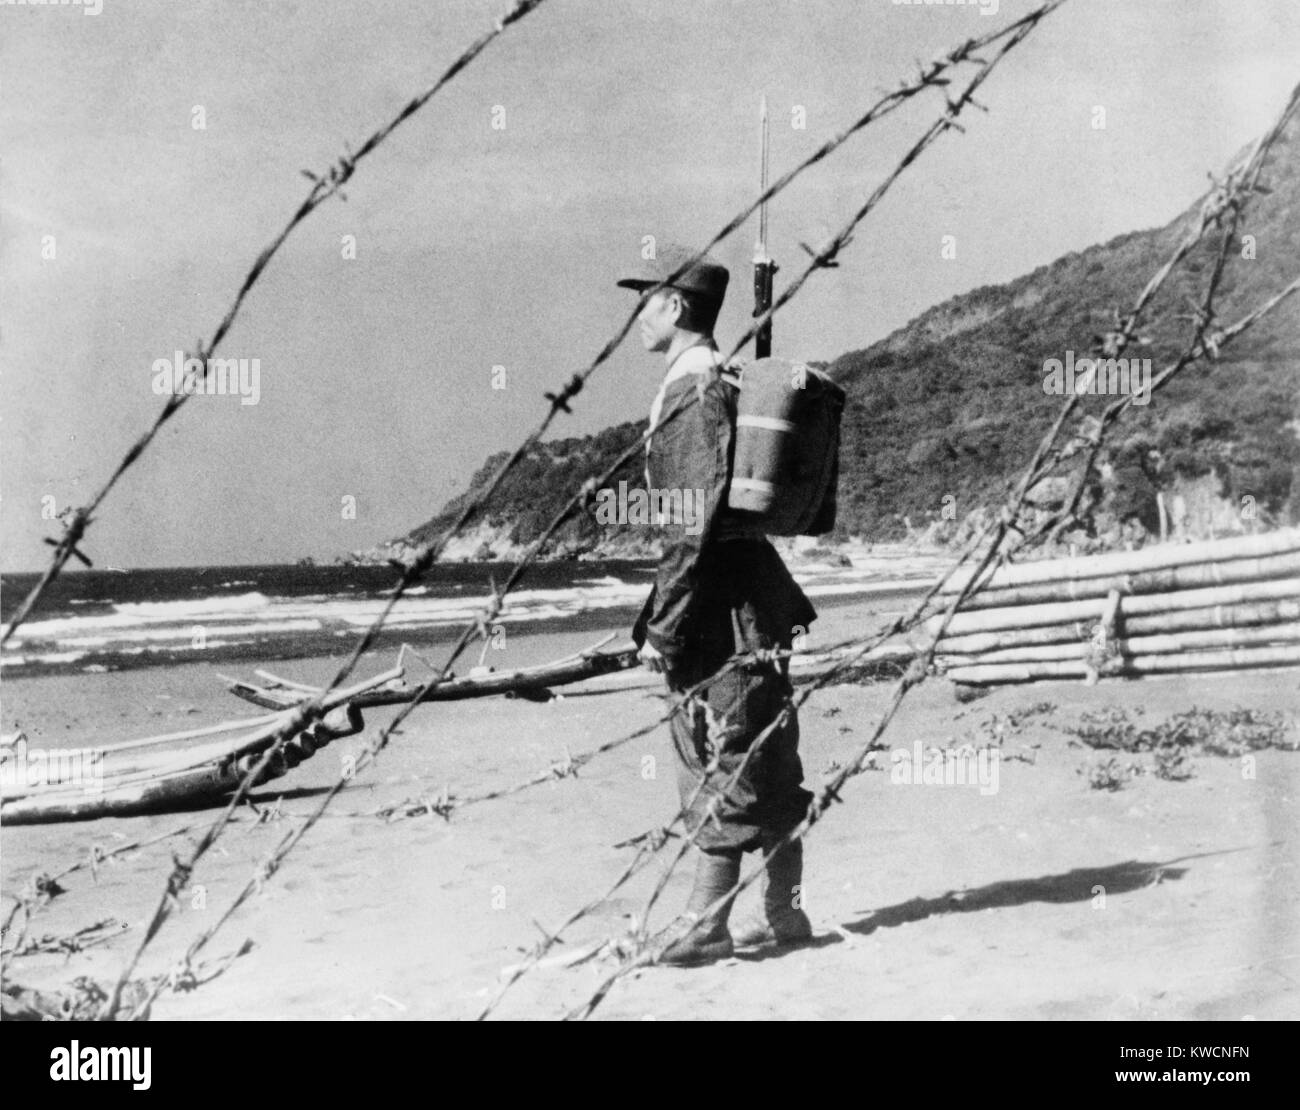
x=1218 y=605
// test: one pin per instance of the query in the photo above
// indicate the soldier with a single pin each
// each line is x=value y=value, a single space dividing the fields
x=719 y=591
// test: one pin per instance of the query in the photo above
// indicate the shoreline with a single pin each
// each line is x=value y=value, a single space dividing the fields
x=290 y=627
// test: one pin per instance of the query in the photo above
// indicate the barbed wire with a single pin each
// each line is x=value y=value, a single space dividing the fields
x=44 y=887
x=821 y=260
x=323 y=187
x=424 y=558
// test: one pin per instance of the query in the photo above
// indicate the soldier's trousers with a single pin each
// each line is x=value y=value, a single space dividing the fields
x=724 y=721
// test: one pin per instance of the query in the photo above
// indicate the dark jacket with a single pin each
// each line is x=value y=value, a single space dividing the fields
x=711 y=583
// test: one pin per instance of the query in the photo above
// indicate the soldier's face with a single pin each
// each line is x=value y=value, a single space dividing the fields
x=659 y=320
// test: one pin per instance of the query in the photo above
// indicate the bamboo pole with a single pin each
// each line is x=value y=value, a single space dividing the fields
x=1133 y=562
x=1242 y=615
x=1216 y=616
x=1184 y=662
x=1159 y=644
x=1164 y=580
x=1062 y=612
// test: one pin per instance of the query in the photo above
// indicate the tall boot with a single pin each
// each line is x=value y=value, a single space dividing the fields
x=715 y=874
x=783 y=921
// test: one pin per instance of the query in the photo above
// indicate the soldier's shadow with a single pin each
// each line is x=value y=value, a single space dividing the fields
x=1079 y=885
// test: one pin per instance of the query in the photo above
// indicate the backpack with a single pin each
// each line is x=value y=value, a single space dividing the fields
x=785 y=469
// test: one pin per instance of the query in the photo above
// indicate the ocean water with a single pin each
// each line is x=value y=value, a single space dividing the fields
x=99 y=620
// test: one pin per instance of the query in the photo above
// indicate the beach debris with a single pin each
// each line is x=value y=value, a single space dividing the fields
x=579 y=955
x=68 y=943
x=81 y=1000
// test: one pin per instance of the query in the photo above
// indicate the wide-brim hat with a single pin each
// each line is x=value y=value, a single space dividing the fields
x=705 y=277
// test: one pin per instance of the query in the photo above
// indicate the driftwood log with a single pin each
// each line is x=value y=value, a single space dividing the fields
x=165 y=772
x=279 y=693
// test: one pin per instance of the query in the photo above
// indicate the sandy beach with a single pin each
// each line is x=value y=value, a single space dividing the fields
x=1044 y=899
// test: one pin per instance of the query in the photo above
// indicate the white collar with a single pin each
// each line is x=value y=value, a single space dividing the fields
x=694 y=360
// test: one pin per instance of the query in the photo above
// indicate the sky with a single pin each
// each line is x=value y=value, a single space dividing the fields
x=481 y=246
